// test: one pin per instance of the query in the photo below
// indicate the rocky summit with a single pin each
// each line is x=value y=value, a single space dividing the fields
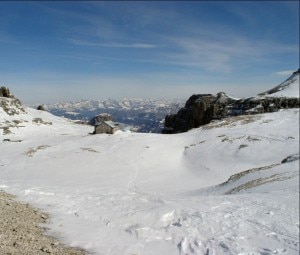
x=200 y=109
x=8 y=102
x=4 y=92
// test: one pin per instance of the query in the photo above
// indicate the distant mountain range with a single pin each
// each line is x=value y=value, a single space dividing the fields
x=157 y=115
x=140 y=115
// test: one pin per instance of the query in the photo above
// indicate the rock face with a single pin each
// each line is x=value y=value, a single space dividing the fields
x=202 y=108
x=255 y=105
x=4 y=92
x=198 y=110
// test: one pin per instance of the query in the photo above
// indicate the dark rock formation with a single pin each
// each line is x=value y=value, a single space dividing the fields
x=4 y=92
x=198 y=110
x=256 y=105
x=297 y=72
x=41 y=108
x=201 y=109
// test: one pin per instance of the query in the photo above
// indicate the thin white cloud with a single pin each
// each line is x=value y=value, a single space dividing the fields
x=285 y=73
x=131 y=45
x=207 y=46
x=224 y=54
x=203 y=53
x=116 y=45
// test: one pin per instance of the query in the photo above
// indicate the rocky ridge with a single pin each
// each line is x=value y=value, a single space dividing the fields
x=10 y=104
x=200 y=109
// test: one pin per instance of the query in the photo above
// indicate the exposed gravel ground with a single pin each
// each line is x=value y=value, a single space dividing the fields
x=21 y=232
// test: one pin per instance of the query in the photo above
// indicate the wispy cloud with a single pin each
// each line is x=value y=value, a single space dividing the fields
x=115 y=44
x=131 y=45
x=205 y=45
x=285 y=73
x=225 y=54
x=165 y=44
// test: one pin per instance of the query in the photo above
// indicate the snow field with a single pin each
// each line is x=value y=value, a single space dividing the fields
x=131 y=193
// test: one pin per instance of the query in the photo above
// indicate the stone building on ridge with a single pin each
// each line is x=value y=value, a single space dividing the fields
x=104 y=124
x=106 y=127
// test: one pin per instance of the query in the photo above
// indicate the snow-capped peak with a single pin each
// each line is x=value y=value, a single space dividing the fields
x=288 y=88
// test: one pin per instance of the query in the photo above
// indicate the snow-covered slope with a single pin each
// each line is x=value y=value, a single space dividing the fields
x=288 y=88
x=230 y=187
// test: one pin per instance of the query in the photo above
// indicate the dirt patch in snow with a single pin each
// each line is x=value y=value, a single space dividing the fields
x=32 y=151
x=89 y=150
x=21 y=231
x=40 y=121
x=6 y=130
x=232 y=121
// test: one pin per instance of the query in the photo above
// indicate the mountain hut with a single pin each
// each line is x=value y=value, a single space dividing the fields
x=106 y=127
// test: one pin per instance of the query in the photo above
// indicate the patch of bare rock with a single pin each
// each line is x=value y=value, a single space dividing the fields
x=21 y=231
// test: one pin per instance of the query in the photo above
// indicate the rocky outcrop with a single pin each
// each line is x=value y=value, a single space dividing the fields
x=201 y=109
x=10 y=104
x=4 y=92
x=255 y=105
x=41 y=108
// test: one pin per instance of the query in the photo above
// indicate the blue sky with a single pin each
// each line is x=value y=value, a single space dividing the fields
x=66 y=51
